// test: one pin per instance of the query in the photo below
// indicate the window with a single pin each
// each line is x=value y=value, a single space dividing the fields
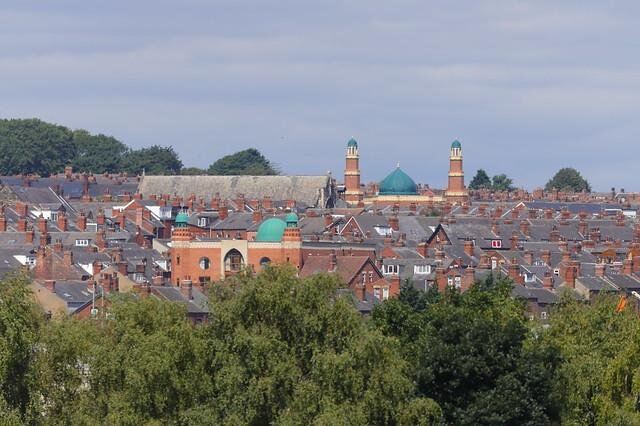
x=391 y=269
x=233 y=261
x=529 y=277
x=364 y=277
x=496 y=244
x=543 y=315
x=556 y=272
x=450 y=280
x=82 y=243
x=54 y=216
x=377 y=293
x=370 y=276
x=458 y=282
x=202 y=222
x=264 y=262
x=422 y=269
x=204 y=263
x=385 y=293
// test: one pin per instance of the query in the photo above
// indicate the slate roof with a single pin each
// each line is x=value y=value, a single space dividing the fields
x=304 y=189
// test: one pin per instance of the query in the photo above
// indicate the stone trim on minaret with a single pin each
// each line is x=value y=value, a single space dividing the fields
x=456 y=190
x=353 y=192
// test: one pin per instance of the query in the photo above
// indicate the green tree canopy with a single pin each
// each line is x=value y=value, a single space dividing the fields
x=502 y=183
x=33 y=146
x=155 y=160
x=473 y=354
x=97 y=153
x=568 y=179
x=247 y=162
x=193 y=171
x=480 y=181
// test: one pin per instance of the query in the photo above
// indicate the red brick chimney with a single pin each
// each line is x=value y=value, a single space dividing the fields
x=514 y=270
x=97 y=267
x=81 y=223
x=441 y=279
x=100 y=219
x=22 y=224
x=515 y=241
x=627 y=266
x=524 y=227
x=267 y=203
x=29 y=235
x=186 y=288
x=469 y=278
x=468 y=248
x=67 y=259
x=423 y=249
x=223 y=212
x=600 y=269
x=68 y=172
x=50 y=285
x=333 y=262
x=570 y=274
x=547 y=281
x=63 y=224
x=548 y=214
x=257 y=216
x=139 y=216
x=528 y=257
x=22 y=209
x=394 y=223
x=42 y=225
x=545 y=255
x=3 y=223
x=57 y=246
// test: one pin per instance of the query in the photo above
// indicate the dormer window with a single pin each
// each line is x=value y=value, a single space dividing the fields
x=422 y=269
x=82 y=243
x=496 y=244
x=390 y=269
x=202 y=222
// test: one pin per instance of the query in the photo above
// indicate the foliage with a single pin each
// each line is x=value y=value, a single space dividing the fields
x=599 y=380
x=97 y=153
x=155 y=160
x=19 y=327
x=247 y=162
x=502 y=183
x=472 y=354
x=568 y=179
x=33 y=146
x=193 y=171
x=480 y=181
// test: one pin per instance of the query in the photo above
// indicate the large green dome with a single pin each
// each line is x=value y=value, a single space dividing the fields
x=271 y=230
x=456 y=144
x=398 y=183
x=352 y=142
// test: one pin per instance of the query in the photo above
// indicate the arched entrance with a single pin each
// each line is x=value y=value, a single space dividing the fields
x=233 y=262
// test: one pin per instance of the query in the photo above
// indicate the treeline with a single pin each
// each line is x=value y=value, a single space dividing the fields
x=32 y=146
x=283 y=350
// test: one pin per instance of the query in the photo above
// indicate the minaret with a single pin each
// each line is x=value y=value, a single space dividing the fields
x=456 y=191
x=353 y=192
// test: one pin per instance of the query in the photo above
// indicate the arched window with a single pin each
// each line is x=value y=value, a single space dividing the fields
x=264 y=262
x=204 y=263
x=233 y=261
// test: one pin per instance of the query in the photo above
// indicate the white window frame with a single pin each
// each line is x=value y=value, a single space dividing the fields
x=82 y=243
x=421 y=269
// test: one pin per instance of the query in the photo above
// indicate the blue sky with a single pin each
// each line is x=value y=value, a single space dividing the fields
x=527 y=87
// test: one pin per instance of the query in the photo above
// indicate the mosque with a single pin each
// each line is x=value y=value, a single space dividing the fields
x=398 y=187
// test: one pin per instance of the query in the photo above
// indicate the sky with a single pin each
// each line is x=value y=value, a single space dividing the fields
x=528 y=87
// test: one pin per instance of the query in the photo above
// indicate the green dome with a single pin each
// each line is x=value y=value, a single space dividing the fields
x=352 y=142
x=271 y=230
x=291 y=219
x=398 y=183
x=182 y=219
x=456 y=144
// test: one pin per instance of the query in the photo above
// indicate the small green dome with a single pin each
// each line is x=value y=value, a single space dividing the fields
x=291 y=219
x=398 y=183
x=271 y=230
x=182 y=219
x=456 y=144
x=352 y=143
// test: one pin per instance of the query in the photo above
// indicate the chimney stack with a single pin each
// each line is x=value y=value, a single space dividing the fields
x=468 y=248
x=186 y=288
x=81 y=223
x=50 y=285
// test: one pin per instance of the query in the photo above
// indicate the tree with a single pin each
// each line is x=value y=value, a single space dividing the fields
x=568 y=179
x=33 y=146
x=502 y=183
x=480 y=181
x=473 y=354
x=97 y=153
x=19 y=329
x=599 y=379
x=155 y=160
x=193 y=171
x=247 y=162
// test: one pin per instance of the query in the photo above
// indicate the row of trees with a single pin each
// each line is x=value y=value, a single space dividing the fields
x=282 y=350
x=566 y=179
x=34 y=146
